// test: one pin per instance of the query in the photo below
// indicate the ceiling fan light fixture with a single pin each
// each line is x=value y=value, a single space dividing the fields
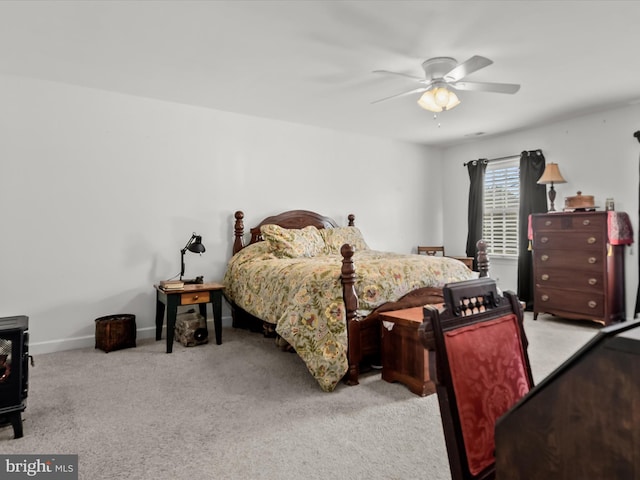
x=428 y=102
x=438 y=99
x=441 y=96
x=442 y=77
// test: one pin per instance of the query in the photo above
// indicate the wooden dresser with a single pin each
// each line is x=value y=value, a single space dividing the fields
x=577 y=274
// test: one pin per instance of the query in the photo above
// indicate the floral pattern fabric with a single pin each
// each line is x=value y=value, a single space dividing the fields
x=303 y=296
x=291 y=242
x=335 y=238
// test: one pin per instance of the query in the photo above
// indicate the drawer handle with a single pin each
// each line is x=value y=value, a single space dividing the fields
x=586 y=222
x=545 y=276
x=545 y=298
x=592 y=260
x=593 y=281
x=592 y=304
x=544 y=257
x=195 y=297
x=591 y=240
x=547 y=223
x=544 y=239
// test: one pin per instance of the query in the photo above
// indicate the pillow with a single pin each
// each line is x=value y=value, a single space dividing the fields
x=292 y=242
x=334 y=238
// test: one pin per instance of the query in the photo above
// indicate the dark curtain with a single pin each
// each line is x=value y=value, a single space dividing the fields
x=637 y=309
x=533 y=199
x=476 y=170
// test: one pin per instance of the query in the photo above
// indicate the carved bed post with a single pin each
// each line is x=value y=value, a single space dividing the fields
x=348 y=279
x=238 y=231
x=483 y=258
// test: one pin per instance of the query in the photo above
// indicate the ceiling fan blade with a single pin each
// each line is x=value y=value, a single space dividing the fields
x=415 y=90
x=413 y=77
x=465 y=68
x=486 y=87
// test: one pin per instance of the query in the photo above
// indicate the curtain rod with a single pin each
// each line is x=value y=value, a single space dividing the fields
x=508 y=157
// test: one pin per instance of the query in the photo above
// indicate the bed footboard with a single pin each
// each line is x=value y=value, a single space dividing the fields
x=364 y=333
x=348 y=279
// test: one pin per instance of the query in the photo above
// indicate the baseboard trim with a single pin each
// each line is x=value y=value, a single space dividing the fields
x=62 y=344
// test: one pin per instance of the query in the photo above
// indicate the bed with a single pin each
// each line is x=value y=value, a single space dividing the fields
x=321 y=289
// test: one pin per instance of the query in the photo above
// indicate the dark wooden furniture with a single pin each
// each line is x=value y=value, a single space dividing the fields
x=404 y=358
x=479 y=364
x=577 y=273
x=364 y=335
x=583 y=420
x=191 y=294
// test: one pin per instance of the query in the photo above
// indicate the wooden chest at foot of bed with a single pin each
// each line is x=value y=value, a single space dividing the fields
x=116 y=332
x=404 y=358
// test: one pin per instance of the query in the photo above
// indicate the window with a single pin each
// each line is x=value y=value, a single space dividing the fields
x=501 y=205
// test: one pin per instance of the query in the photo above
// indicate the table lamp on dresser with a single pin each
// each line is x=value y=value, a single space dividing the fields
x=551 y=175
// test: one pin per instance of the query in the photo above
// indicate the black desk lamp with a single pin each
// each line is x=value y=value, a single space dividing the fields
x=193 y=245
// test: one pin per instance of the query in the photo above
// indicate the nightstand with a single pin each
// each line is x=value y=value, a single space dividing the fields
x=192 y=294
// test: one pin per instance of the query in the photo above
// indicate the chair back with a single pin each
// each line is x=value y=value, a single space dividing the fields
x=479 y=363
x=422 y=250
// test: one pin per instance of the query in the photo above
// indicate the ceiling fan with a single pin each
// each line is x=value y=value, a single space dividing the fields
x=444 y=74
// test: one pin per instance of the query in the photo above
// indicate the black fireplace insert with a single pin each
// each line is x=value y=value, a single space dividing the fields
x=14 y=370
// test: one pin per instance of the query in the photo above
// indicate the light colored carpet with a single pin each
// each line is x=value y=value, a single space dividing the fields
x=240 y=410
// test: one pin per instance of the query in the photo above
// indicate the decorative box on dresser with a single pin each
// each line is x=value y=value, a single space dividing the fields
x=578 y=272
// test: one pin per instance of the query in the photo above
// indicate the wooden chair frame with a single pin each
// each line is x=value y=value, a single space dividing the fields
x=466 y=303
x=431 y=250
x=435 y=250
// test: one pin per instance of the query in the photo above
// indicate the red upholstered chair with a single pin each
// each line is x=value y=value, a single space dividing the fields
x=479 y=363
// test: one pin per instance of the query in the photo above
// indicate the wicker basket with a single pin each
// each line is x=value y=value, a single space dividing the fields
x=115 y=332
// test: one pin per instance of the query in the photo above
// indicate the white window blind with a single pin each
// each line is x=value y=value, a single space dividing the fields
x=501 y=204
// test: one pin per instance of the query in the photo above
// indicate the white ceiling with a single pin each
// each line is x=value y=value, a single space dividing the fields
x=311 y=62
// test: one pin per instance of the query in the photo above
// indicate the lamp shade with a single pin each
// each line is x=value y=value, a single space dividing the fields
x=193 y=245
x=196 y=246
x=438 y=99
x=551 y=175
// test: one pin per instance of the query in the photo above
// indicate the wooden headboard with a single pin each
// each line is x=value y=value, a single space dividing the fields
x=288 y=219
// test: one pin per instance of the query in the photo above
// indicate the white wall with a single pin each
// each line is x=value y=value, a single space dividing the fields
x=100 y=191
x=597 y=154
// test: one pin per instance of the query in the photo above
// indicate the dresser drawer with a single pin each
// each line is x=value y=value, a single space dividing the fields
x=558 y=300
x=595 y=240
x=193 y=298
x=586 y=281
x=582 y=222
x=583 y=260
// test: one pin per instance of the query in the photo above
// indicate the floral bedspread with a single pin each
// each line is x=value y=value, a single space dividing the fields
x=303 y=296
